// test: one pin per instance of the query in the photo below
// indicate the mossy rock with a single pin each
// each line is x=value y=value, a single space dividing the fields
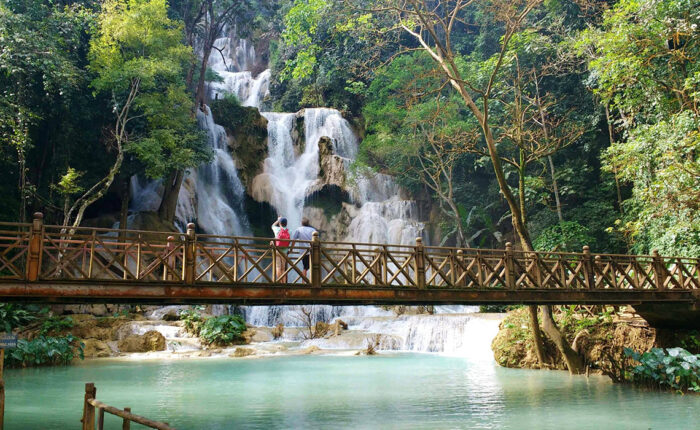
x=247 y=132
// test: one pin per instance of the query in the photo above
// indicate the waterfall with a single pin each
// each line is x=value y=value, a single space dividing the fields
x=220 y=193
x=213 y=195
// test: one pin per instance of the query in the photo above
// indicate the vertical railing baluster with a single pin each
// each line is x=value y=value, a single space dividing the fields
x=36 y=242
x=420 y=263
x=509 y=266
x=315 y=260
x=138 y=257
x=93 y=239
x=657 y=267
x=190 y=254
x=235 y=260
x=588 y=273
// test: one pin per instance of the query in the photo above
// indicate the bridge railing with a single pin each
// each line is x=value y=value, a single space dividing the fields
x=38 y=252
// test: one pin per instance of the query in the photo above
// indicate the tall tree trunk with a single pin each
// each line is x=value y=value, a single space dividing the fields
x=536 y=334
x=199 y=92
x=611 y=135
x=573 y=360
x=124 y=210
x=557 y=200
x=171 y=191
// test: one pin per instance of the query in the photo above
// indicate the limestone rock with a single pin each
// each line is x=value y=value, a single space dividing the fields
x=95 y=348
x=242 y=352
x=310 y=350
x=149 y=341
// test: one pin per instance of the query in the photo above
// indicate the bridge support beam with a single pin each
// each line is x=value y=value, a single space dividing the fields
x=671 y=315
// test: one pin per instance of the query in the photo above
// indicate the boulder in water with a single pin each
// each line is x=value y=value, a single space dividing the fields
x=95 y=348
x=242 y=352
x=150 y=341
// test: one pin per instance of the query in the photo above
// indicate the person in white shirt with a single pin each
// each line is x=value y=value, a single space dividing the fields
x=305 y=232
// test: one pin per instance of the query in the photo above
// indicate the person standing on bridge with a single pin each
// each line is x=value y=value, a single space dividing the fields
x=279 y=227
x=305 y=232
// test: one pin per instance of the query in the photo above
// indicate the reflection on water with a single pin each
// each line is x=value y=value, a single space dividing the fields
x=386 y=391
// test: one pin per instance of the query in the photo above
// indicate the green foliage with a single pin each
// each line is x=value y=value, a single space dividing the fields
x=222 y=330
x=673 y=368
x=300 y=25
x=13 y=316
x=192 y=319
x=138 y=50
x=565 y=236
x=45 y=351
x=644 y=64
x=55 y=325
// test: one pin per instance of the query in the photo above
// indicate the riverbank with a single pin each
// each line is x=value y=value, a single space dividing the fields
x=604 y=337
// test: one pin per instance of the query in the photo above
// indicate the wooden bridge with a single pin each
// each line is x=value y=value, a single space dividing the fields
x=53 y=264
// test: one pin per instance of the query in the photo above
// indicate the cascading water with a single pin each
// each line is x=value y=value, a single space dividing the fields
x=213 y=196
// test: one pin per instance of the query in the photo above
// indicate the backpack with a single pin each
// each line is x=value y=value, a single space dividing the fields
x=283 y=234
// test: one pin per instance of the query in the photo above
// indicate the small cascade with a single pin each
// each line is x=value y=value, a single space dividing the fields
x=220 y=193
x=287 y=177
x=233 y=59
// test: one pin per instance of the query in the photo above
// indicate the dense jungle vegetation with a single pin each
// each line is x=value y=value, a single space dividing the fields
x=593 y=107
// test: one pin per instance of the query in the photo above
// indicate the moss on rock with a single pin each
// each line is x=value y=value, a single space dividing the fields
x=247 y=133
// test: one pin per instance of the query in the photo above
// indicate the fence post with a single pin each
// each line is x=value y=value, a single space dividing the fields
x=510 y=267
x=460 y=280
x=126 y=424
x=88 y=409
x=659 y=270
x=170 y=262
x=420 y=263
x=190 y=252
x=35 y=244
x=315 y=260
x=588 y=273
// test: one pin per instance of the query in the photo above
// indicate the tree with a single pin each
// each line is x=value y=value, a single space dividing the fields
x=432 y=26
x=39 y=74
x=138 y=58
x=644 y=59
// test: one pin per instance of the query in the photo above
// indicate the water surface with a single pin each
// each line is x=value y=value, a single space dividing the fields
x=387 y=391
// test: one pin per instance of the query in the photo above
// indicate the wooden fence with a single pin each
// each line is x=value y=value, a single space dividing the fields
x=94 y=410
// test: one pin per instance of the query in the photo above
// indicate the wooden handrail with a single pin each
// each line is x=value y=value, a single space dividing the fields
x=40 y=253
x=91 y=403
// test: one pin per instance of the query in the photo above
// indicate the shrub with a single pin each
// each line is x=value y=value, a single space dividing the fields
x=486 y=309
x=54 y=325
x=45 y=351
x=192 y=320
x=222 y=330
x=13 y=316
x=675 y=368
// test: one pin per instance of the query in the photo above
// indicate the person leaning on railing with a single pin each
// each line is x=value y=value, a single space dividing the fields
x=305 y=233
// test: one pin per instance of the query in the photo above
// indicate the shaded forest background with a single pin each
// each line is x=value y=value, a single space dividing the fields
x=594 y=107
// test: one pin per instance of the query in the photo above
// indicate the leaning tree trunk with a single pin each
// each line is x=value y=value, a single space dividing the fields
x=171 y=191
x=573 y=360
x=537 y=334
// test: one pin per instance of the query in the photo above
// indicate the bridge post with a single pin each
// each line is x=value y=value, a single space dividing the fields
x=588 y=273
x=170 y=263
x=89 y=410
x=459 y=280
x=659 y=270
x=35 y=244
x=315 y=260
x=190 y=244
x=420 y=263
x=510 y=266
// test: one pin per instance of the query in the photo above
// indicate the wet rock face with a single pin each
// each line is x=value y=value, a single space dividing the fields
x=246 y=130
x=147 y=342
x=95 y=348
